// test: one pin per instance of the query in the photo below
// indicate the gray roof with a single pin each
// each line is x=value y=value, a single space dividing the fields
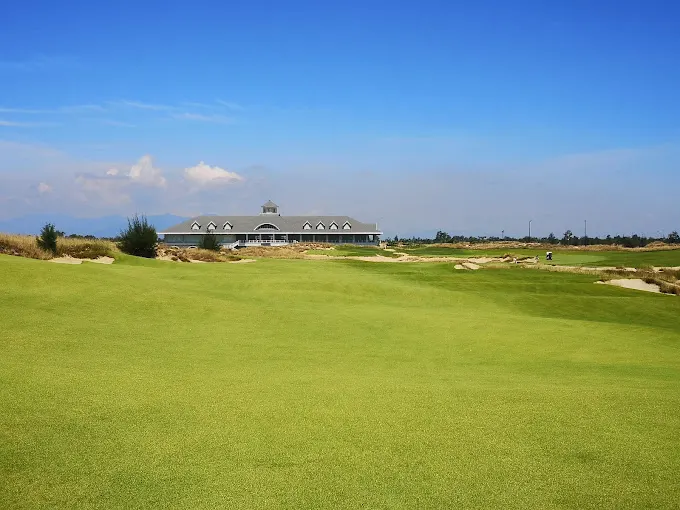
x=270 y=204
x=283 y=223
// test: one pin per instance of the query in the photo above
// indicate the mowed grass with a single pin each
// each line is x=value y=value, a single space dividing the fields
x=333 y=384
x=616 y=258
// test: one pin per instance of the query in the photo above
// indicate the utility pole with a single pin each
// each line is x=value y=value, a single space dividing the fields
x=585 y=231
x=530 y=230
x=502 y=235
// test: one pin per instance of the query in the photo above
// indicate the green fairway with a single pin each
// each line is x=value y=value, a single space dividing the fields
x=334 y=384
x=622 y=258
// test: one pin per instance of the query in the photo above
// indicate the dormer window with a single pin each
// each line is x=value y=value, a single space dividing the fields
x=347 y=226
x=333 y=226
x=195 y=226
x=227 y=226
x=211 y=226
x=307 y=226
x=267 y=226
x=320 y=226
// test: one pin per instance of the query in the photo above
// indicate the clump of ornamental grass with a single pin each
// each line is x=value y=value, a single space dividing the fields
x=79 y=248
x=22 y=246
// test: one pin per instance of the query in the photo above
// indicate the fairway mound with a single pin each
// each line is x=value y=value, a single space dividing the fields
x=633 y=283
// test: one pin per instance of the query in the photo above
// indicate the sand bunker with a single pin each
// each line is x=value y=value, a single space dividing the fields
x=71 y=260
x=483 y=260
x=102 y=260
x=242 y=261
x=458 y=266
x=470 y=265
x=634 y=283
x=66 y=260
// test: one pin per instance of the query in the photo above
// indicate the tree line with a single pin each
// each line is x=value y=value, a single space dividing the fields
x=567 y=239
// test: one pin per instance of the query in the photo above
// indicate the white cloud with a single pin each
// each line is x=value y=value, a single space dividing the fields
x=39 y=63
x=77 y=108
x=106 y=191
x=230 y=105
x=29 y=111
x=11 y=123
x=217 y=119
x=117 y=123
x=145 y=106
x=44 y=188
x=203 y=174
x=143 y=172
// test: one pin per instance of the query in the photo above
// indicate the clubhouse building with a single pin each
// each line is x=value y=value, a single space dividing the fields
x=269 y=228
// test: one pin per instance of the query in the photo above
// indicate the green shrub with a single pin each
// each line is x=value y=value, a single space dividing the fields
x=209 y=242
x=139 y=238
x=48 y=238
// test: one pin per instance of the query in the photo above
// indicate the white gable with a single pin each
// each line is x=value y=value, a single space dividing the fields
x=347 y=226
x=334 y=226
x=195 y=226
x=212 y=226
x=307 y=226
x=320 y=226
x=227 y=226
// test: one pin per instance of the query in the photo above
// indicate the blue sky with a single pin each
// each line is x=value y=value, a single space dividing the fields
x=469 y=117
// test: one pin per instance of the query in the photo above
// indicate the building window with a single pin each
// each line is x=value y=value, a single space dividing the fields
x=347 y=226
x=267 y=226
x=320 y=226
x=307 y=226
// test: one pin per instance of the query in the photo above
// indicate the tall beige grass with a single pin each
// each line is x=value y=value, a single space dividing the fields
x=85 y=248
x=22 y=246
x=27 y=246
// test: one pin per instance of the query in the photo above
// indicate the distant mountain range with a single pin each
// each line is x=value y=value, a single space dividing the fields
x=105 y=226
